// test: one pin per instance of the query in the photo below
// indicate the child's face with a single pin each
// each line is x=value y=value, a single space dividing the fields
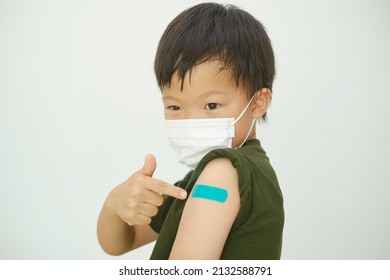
x=211 y=93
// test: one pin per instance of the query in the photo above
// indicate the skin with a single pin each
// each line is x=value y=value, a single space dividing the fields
x=124 y=220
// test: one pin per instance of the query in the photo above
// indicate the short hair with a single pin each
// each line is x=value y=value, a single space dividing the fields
x=208 y=31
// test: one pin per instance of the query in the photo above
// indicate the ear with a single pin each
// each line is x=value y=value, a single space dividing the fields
x=261 y=102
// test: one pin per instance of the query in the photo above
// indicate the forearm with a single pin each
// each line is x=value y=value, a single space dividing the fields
x=134 y=202
x=114 y=235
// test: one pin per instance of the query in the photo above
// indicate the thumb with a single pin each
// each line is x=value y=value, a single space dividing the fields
x=149 y=166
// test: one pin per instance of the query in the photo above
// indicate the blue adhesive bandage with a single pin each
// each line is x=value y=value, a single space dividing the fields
x=209 y=192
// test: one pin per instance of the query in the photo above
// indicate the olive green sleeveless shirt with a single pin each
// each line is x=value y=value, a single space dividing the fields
x=257 y=231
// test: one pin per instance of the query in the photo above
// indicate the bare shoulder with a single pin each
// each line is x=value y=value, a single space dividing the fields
x=219 y=171
x=209 y=213
x=217 y=178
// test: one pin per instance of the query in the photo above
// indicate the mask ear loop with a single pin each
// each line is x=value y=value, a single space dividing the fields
x=252 y=124
x=243 y=111
x=250 y=129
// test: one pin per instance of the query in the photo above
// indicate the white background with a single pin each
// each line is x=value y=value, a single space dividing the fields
x=79 y=110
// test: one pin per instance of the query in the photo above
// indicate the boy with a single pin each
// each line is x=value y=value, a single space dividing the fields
x=215 y=68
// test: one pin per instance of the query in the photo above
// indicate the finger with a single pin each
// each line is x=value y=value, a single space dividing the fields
x=152 y=198
x=162 y=187
x=149 y=166
x=141 y=220
x=147 y=210
x=174 y=191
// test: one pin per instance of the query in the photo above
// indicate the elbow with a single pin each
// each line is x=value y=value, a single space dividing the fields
x=114 y=253
x=110 y=246
x=112 y=250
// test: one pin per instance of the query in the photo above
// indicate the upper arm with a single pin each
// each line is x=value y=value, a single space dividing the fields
x=205 y=224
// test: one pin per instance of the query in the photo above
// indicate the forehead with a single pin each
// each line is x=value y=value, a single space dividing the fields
x=206 y=76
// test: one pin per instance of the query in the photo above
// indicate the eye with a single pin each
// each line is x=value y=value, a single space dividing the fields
x=173 y=108
x=212 y=106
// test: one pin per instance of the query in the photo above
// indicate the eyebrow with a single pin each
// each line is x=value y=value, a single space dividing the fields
x=203 y=95
x=212 y=93
x=164 y=97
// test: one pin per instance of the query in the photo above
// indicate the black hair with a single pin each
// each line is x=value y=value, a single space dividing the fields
x=215 y=31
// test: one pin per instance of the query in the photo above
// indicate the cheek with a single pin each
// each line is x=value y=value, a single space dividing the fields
x=166 y=115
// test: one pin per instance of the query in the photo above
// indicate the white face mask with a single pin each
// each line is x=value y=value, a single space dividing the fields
x=192 y=139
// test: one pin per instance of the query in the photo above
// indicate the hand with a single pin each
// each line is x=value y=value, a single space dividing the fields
x=137 y=199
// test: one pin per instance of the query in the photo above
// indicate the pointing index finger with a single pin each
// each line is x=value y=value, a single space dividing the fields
x=176 y=192
x=167 y=189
